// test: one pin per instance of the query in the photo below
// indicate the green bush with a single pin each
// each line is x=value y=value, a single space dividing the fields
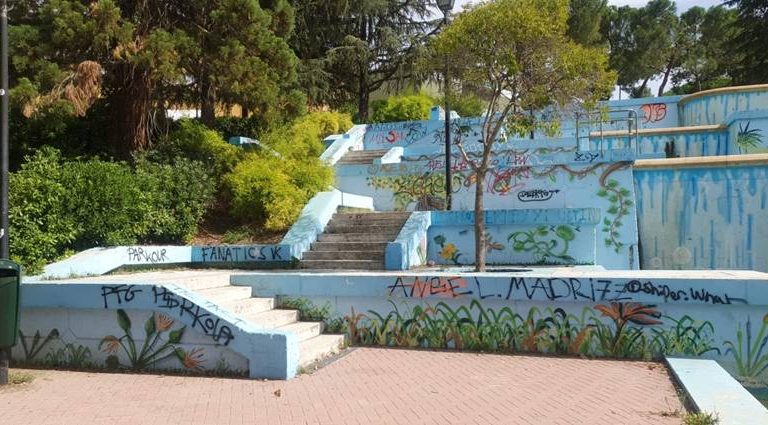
x=271 y=189
x=466 y=105
x=194 y=141
x=110 y=205
x=59 y=205
x=40 y=227
x=263 y=192
x=180 y=194
x=252 y=126
x=412 y=107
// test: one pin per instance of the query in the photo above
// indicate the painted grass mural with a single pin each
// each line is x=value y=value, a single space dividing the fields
x=620 y=330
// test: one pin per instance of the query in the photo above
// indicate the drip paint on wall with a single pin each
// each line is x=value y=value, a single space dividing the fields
x=703 y=218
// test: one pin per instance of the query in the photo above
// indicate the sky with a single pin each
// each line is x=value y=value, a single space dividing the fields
x=682 y=6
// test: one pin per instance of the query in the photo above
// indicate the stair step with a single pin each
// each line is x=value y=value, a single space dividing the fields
x=355 y=237
x=224 y=294
x=369 y=229
x=314 y=349
x=342 y=264
x=344 y=255
x=304 y=330
x=272 y=319
x=349 y=246
x=249 y=305
x=200 y=283
x=394 y=222
x=390 y=215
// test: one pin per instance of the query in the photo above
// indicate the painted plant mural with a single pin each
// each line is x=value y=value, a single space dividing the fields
x=161 y=342
x=621 y=330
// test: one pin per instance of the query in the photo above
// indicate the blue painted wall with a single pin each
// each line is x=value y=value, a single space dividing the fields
x=703 y=218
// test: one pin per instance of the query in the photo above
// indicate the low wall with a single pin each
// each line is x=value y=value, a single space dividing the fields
x=560 y=180
x=556 y=236
x=98 y=261
x=566 y=311
x=145 y=327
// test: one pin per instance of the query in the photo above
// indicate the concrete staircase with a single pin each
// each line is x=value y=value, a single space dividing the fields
x=261 y=312
x=361 y=157
x=355 y=241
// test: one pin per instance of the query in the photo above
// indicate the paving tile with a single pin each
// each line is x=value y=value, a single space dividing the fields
x=367 y=386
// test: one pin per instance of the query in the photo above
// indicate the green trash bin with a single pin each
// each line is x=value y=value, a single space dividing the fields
x=10 y=279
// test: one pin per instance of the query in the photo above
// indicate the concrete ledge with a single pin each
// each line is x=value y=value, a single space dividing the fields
x=704 y=161
x=710 y=389
x=661 y=131
x=410 y=247
x=392 y=156
x=351 y=140
x=98 y=261
x=723 y=90
x=526 y=216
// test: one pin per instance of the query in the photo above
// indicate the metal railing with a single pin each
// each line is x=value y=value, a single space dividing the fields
x=612 y=117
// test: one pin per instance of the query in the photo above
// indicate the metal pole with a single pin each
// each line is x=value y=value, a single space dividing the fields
x=5 y=354
x=447 y=90
x=4 y=253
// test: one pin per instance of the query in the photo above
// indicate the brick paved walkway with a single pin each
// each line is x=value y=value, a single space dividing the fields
x=368 y=386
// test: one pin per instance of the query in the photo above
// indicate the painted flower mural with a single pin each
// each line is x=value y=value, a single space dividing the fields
x=448 y=251
x=160 y=343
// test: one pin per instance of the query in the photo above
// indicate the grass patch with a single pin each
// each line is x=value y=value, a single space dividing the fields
x=701 y=418
x=19 y=378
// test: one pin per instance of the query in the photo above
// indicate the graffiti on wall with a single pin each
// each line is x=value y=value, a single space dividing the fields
x=620 y=202
x=147 y=255
x=536 y=195
x=164 y=299
x=653 y=112
x=563 y=289
x=748 y=351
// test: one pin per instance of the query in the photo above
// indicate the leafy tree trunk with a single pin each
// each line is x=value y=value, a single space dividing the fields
x=479 y=221
x=363 y=97
x=130 y=108
x=664 y=80
x=207 y=102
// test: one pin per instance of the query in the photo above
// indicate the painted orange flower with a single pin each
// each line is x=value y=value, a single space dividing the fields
x=449 y=251
x=636 y=313
x=193 y=359
x=163 y=322
x=109 y=344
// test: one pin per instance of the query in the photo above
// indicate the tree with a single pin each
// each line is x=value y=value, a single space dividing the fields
x=642 y=42
x=585 y=20
x=520 y=51
x=352 y=48
x=154 y=52
x=751 y=41
x=706 y=61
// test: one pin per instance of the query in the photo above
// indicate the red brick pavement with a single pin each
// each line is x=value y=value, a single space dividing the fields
x=367 y=386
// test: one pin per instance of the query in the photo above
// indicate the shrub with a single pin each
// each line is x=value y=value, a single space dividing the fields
x=110 y=205
x=40 y=228
x=262 y=191
x=180 y=193
x=252 y=126
x=59 y=205
x=413 y=107
x=197 y=142
x=272 y=189
x=304 y=137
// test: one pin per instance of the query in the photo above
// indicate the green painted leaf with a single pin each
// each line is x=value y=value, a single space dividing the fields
x=149 y=326
x=123 y=321
x=602 y=193
x=607 y=222
x=565 y=233
x=612 y=184
x=439 y=239
x=174 y=337
x=612 y=210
